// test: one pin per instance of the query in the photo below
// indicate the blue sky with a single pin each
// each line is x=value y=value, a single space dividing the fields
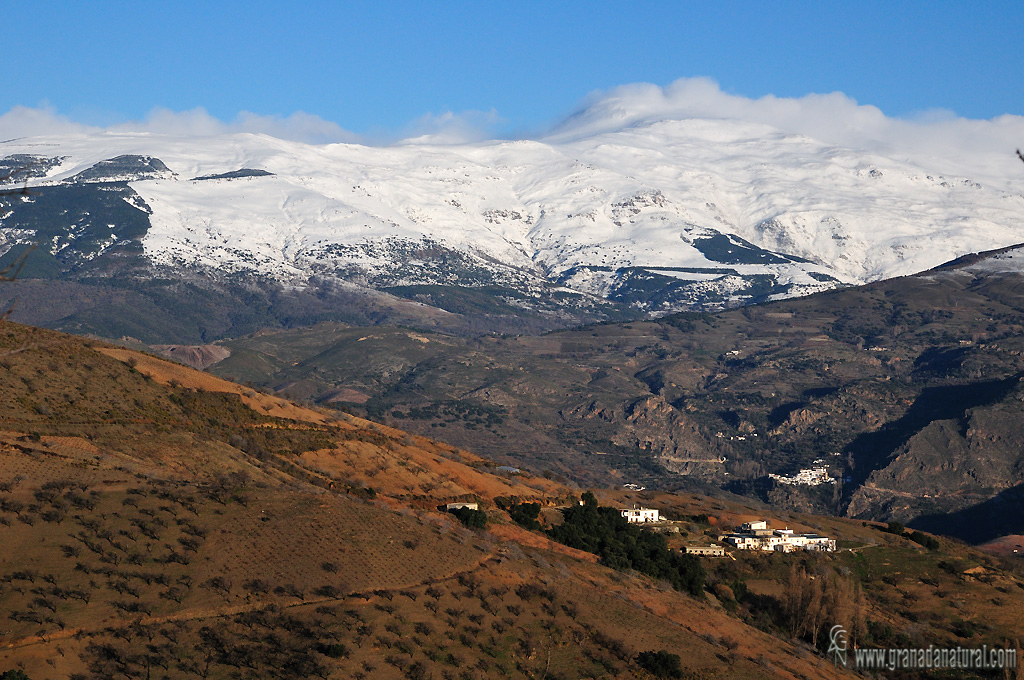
x=384 y=68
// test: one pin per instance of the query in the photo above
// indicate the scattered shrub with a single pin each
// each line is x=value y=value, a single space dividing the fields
x=334 y=650
x=661 y=664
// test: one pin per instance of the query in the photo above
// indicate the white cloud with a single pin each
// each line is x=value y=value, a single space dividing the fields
x=22 y=121
x=936 y=139
x=300 y=127
x=443 y=128
x=452 y=128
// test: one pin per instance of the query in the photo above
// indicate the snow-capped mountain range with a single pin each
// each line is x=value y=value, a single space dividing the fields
x=663 y=215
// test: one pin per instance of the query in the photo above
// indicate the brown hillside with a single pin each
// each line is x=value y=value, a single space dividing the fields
x=157 y=522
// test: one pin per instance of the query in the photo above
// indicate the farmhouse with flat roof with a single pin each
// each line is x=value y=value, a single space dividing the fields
x=638 y=515
x=705 y=550
x=757 y=536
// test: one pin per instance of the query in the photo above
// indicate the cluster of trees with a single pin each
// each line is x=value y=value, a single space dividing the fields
x=474 y=519
x=661 y=664
x=451 y=410
x=918 y=537
x=13 y=675
x=815 y=594
x=813 y=602
x=621 y=545
x=526 y=515
x=927 y=541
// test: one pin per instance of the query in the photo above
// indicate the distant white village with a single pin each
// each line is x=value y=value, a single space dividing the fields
x=812 y=476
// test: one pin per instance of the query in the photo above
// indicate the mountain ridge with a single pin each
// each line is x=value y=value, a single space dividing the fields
x=651 y=219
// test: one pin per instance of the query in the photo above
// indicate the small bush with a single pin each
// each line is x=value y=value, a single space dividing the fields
x=661 y=664
x=334 y=650
x=895 y=528
x=328 y=591
x=924 y=539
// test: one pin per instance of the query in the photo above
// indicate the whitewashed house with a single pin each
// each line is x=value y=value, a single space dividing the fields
x=705 y=550
x=822 y=543
x=638 y=515
x=757 y=536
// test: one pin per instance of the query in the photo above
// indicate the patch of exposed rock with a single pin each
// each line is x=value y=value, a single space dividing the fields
x=196 y=356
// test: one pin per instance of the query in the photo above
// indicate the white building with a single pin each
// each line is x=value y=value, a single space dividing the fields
x=638 y=515
x=822 y=543
x=757 y=536
x=705 y=550
x=459 y=506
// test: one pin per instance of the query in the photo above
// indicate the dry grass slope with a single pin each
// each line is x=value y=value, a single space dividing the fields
x=159 y=523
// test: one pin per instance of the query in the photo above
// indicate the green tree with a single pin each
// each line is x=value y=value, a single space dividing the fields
x=525 y=515
x=661 y=664
x=474 y=519
x=13 y=675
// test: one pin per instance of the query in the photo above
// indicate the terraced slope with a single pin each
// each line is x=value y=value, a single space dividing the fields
x=158 y=521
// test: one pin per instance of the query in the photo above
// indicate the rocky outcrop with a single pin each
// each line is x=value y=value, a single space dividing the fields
x=652 y=425
x=948 y=466
x=196 y=356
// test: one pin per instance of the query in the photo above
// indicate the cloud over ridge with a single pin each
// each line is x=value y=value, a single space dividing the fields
x=23 y=121
x=936 y=139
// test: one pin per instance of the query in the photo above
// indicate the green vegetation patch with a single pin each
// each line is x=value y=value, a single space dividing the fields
x=661 y=664
x=470 y=517
x=621 y=545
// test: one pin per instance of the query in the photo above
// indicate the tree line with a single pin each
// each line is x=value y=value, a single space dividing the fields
x=620 y=545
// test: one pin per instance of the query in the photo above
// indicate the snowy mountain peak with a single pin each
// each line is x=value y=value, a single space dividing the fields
x=659 y=214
